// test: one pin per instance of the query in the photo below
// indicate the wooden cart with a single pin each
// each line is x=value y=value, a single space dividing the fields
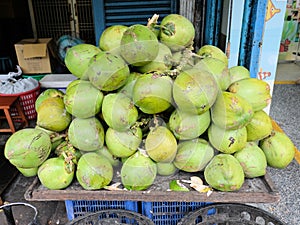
x=256 y=190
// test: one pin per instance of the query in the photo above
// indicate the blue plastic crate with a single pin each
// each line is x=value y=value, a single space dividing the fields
x=169 y=213
x=76 y=208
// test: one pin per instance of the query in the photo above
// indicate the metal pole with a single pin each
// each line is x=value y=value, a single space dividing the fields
x=32 y=18
x=227 y=51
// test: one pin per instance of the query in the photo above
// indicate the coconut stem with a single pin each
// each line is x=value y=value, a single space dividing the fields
x=56 y=136
x=171 y=73
x=168 y=29
x=67 y=150
x=153 y=21
x=69 y=164
x=141 y=123
x=185 y=60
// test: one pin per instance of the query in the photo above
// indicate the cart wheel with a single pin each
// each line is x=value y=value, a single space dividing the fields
x=231 y=214
x=112 y=216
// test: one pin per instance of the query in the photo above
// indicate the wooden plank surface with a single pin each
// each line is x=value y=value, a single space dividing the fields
x=257 y=190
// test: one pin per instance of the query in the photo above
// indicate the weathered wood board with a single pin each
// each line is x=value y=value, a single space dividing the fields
x=256 y=190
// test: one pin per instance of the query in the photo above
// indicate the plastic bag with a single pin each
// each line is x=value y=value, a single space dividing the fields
x=14 y=84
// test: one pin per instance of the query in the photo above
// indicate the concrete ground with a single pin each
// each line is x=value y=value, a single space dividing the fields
x=293 y=71
x=284 y=110
x=49 y=213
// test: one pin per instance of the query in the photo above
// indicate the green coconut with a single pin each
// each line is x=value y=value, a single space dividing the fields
x=127 y=89
x=83 y=100
x=123 y=159
x=259 y=127
x=139 y=45
x=218 y=69
x=279 y=149
x=138 y=172
x=56 y=138
x=252 y=159
x=123 y=144
x=28 y=172
x=107 y=71
x=227 y=141
x=224 y=173
x=211 y=51
x=27 y=148
x=161 y=63
x=94 y=171
x=110 y=39
x=49 y=132
x=255 y=91
x=56 y=141
x=77 y=58
x=52 y=114
x=195 y=91
x=231 y=111
x=51 y=92
x=118 y=111
x=152 y=93
x=54 y=175
x=188 y=126
x=103 y=151
x=86 y=134
x=237 y=73
x=161 y=145
x=75 y=82
x=193 y=155
x=177 y=32
x=166 y=169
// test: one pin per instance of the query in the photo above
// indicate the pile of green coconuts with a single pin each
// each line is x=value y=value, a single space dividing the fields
x=146 y=104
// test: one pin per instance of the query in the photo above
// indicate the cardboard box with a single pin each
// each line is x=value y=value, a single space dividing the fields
x=34 y=57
